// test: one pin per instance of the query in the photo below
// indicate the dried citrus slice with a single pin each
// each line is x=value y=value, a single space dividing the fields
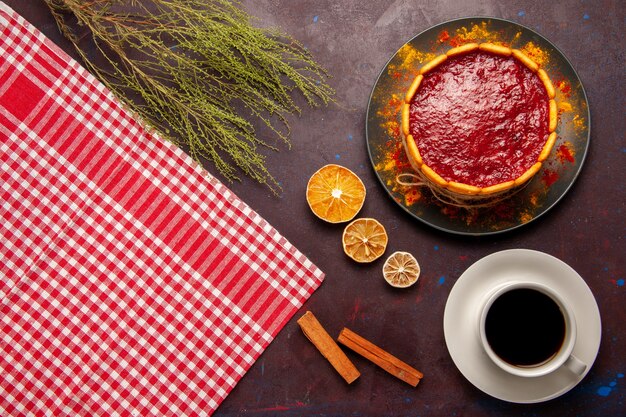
x=401 y=270
x=364 y=240
x=335 y=193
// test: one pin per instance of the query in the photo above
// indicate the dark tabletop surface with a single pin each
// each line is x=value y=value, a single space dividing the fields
x=354 y=40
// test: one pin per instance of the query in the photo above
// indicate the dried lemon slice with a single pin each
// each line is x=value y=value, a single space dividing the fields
x=335 y=193
x=401 y=270
x=364 y=240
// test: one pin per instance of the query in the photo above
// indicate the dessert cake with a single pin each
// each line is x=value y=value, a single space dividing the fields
x=479 y=120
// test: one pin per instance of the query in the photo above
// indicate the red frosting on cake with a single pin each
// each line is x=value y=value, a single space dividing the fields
x=480 y=119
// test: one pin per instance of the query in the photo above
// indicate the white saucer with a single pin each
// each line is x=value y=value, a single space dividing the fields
x=461 y=328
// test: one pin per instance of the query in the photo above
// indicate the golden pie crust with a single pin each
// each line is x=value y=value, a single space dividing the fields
x=412 y=149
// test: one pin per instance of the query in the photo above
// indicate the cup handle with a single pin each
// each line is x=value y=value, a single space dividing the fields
x=575 y=365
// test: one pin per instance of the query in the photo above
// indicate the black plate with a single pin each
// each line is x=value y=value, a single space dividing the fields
x=547 y=187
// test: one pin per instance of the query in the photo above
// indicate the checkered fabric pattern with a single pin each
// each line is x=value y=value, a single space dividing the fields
x=131 y=282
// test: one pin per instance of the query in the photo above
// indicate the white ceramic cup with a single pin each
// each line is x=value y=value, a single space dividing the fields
x=562 y=358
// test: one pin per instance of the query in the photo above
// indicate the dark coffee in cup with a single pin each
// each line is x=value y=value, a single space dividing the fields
x=525 y=327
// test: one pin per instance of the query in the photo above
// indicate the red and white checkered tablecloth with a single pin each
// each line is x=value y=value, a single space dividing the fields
x=132 y=282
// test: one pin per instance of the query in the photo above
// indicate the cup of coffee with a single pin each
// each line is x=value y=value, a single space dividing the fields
x=528 y=330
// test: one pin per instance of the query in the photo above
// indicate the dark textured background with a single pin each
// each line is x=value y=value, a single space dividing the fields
x=354 y=40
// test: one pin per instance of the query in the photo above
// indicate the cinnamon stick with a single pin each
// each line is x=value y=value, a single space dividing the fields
x=380 y=357
x=314 y=331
